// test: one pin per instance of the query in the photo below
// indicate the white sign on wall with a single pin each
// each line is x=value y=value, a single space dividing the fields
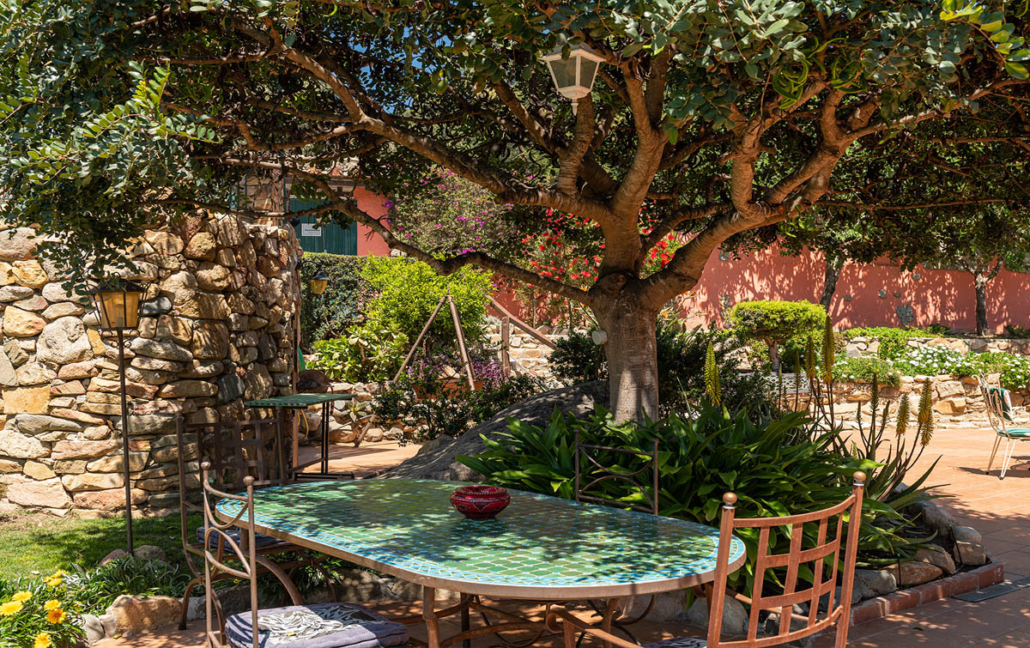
x=310 y=229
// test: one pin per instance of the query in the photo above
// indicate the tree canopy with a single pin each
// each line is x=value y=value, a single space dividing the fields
x=730 y=116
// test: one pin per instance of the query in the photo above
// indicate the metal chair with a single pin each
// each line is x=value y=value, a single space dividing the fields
x=999 y=413
x=326 y=625
x=600 y=474
x=236 y=452
x=820 y=550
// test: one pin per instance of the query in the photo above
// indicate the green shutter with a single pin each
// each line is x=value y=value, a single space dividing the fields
x=331 y=238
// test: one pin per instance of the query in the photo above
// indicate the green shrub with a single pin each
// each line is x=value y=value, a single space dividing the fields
x=97 y=589
x=893 y=341
x=370 y=352
x=408 y=291
x=863 y=369
x=576 y=359
x=1013 y=369
x=776 y=467
x=340 y=307
x=776 y=322
x=928 y=361
x=39 y=613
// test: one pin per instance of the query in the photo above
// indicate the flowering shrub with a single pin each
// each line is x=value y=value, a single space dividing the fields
x=928 y=361
x=1014 y=370
x=39 y=614
x=893 y=341
x=864 y=369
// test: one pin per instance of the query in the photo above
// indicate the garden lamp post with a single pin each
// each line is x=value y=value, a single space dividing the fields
x=117 y=302
x=573 y=76
x=318 y=282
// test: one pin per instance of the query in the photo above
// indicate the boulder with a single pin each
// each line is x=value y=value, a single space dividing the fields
x=164 y=243
x=14 y=293
x=202 y=246
x=206 y=306
x=35 y=303
x=188 y=389
x=62 y=309
x=39 y=494
x=17 y=243
x=213 y=277
x=15 y=353
x=115 y=463
x=30 y=273
x=142 y=424
x=8 y=378
x=19 y=323
x=935 y=517
x=93 y=481
x=870 y=583
x=55 y=292
x=19 y=446
x=160 y=349
x=210 y=340
x=936 y=556
x=108 y=500
x=39 y=423
x=32 y=373
x=92 y=628
x=439 y=462
x=64 y=341
x=38 y=471
x=157 y=306
x=914 y=573
x=176 y=329
x=734 y=616
x=969 y=548
x=137 y=614
x=180 y=287
x=77 y=370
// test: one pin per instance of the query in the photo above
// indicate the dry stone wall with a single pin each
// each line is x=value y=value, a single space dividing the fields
x=217 y=329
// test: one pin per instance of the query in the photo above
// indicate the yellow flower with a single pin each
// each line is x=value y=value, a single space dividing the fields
x=55 y=579
x=52 y=604
x=43 y=640
x=11 y=608
x=55 y=616
x=22 y=596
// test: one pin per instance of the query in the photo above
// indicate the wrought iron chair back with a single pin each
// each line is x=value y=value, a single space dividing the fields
x=585 y=451
x=824 y=580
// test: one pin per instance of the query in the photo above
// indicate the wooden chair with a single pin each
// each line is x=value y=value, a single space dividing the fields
x=999 y=413
x=236 y=451
x=823 y=589
x=599 y=474
x=326 y=625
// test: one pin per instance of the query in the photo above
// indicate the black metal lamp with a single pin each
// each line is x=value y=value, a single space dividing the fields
x=318 y=282
x=117 y=302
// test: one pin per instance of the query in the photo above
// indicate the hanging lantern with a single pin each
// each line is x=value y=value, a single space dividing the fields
x=318 y=282
x=117 y=303
x=573 y=76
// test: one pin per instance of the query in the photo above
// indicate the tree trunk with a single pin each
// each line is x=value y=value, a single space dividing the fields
x=834 y=264
x=980 y=280
x=631 y=350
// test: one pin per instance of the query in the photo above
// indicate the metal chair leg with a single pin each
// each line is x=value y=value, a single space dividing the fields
x=1009 y=447
x=990 y=462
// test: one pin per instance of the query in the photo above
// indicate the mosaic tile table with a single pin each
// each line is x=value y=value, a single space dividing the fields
x=539 y=548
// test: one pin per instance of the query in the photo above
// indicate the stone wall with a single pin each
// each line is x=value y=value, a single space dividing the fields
x=218 y=328
x=861 y=346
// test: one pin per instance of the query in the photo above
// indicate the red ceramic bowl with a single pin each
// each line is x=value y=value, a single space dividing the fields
x=480 y=502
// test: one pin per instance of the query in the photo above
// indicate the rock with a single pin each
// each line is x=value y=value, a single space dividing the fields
x=92 y=628
x=32 y=373
x=15 y=353
x=176 y=329
x=30 y=273
x=115 y=463
x=153 y=307
x=201 y=246
x=935 y=517
x=7 y=467
x=17 y=244
x=202 y=370
x=39 y=494
x=951 y=406
x=8 y=378
x=180 y=287
x=160 y=349
x=870 y=583
x=19 y=446
x=14 y=293
x=206 y=306
x=73 y=467
x=93 y=482
x=136 y=614
x=210 y=341
x=26 y=400
x=39 y=423
x=734 y=617
x=230 y=387
x=257 y=383
x=147 y=424
x=213 y=277
x=158 y=364
x=188 y=389
x=34 y=303
x=55 y=292
x=936 y=556
x=969 y=548
x=914 y=573
x=38 y=471
x=64 y=450
x=64 y=341
x=63 y=309
x=108 y=500
x=164 y=243
x=19 y=323
x=440 y=462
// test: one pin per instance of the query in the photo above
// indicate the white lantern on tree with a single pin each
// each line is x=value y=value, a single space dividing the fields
x=574 y=76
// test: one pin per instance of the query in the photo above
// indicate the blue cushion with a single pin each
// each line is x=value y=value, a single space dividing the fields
x=328 y=625
x=682 y=642
x=260 y=540
x=1021 y=432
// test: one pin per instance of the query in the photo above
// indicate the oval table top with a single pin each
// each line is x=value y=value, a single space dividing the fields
x=540 y=547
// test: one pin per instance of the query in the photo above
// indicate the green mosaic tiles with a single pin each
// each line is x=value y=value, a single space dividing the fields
x=538 y=541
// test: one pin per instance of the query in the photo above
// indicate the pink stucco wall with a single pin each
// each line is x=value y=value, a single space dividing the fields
x=370 y=243
x=934 y=296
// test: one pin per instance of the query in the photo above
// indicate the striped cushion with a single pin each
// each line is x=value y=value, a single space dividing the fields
x=1020 y=433
x=328 y=625
x=681 y=642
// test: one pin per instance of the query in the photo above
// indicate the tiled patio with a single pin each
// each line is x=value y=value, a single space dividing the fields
x=999 y=509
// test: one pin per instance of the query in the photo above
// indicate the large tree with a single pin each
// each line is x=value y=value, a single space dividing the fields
x=731 y=115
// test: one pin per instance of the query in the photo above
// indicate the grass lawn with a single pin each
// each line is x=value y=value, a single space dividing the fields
x=42 y=543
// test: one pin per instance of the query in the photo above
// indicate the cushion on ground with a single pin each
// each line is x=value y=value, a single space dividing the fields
x=261 y=540
x=681 y=642
x=1017 y=432
x=328 y=625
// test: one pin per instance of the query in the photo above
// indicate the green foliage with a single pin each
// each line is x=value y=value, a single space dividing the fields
x=97 y=589
x=893 y=341
x=776 y=322
x=864 y=369
x=713 y=388
x=1019 y=332
x=39 y=613
x=774 y=466
x=576 y=359
x=372 y=351
x=408 y=291
x=330 y=314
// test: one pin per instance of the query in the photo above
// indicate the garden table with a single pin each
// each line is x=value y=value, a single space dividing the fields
x=540 y=548
x=301 y=402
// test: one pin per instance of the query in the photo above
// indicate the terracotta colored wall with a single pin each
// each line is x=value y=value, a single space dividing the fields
x=370 y=243
x=876 y=294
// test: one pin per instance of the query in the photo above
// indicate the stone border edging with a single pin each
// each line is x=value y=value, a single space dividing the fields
x=881 y=606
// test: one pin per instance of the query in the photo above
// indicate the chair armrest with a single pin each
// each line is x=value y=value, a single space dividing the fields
x=562 y=621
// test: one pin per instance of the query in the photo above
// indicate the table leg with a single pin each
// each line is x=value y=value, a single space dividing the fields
x=295 y=441
x=466 y=621
x=429 y=615
x=606 y=621
x=325 y=437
